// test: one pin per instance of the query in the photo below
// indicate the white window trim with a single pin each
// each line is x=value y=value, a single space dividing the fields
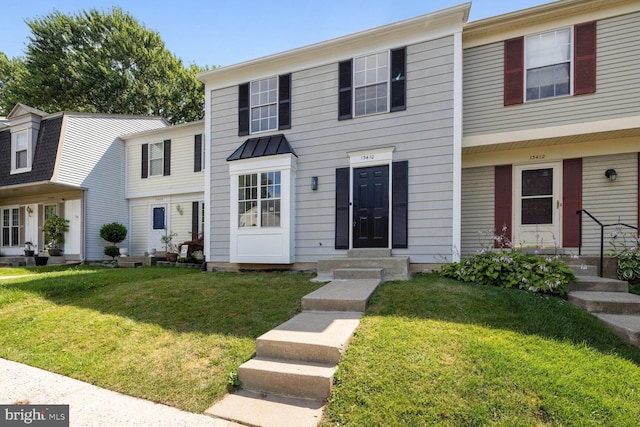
x=388 y=82
x=252 y=106
x=161 y=158
x=14 y=137
x=10 y=225
x=264 y=245
x=571 y=65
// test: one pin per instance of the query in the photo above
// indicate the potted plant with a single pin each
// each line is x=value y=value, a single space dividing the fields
x=28 y=249
x=54 y=228
x=170 y=247
x=114 y=233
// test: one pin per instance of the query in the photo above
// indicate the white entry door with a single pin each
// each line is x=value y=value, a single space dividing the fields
x=537 y=206
x=157 y=226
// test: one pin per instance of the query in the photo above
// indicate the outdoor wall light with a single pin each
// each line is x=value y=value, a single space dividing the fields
x=314 y=183
x=29 y=210
x=179 y=209
x=611 y=174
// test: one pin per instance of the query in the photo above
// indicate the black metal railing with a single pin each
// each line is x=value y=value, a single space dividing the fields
x=602 y=227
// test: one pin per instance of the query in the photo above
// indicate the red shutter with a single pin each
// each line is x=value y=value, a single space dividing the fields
x=571 y=202
x=503 y=203
x=513 y=71
x=584 y=51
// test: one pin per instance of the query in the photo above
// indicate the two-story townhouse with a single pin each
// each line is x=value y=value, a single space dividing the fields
x=67 y=164
x=551 y=124
x=165 y=186
x=350 y=143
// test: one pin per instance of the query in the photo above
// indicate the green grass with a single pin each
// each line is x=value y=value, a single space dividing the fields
x=433 y=351
x=165 y=334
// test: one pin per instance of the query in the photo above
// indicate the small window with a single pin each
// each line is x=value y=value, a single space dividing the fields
x=370 y=78
x=548 y=64
x=158 y=218
x=10 y=227
x=20 y=152
x=264 y=105
x=156 y=159
x=49 y=211
x=259 y=202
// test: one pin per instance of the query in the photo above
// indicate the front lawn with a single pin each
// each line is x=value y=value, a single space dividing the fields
x=434 y=351
x=166 y=334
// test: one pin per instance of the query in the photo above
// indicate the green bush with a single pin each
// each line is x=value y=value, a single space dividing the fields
x=513 y=269
x=628 y=253
x=112 y=251
x=113 y=232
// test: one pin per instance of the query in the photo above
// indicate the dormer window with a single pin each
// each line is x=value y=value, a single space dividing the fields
x=20 y=152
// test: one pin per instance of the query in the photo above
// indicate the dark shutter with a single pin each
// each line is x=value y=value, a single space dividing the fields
x=343 y=222
x=145 y=160
x=243 y=109
x=344 y=90
x=400 y=204
x=167 y=158
x=284 y=102
x=513 y=71
x=195 y=219
x=398 y=79
x=503 y=203
x=584 y=67
x=571 y=202
x=197 y=153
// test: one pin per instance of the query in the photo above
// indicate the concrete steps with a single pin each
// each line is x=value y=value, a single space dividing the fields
x=291 y=377
x=611 y=302
x=369 y=260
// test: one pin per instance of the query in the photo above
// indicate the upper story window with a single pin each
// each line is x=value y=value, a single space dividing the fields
x=198 y=153
x=264 y=105
x=548 y=64
x=20 y=152
x=156 y=159
x=371 y=84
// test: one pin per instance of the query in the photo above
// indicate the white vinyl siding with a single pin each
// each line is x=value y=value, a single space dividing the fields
x=92 y=157
x=423 y=135
x=617 y=85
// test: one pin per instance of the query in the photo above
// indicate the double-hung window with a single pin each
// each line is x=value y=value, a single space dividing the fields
x=548 y=58
x=264 y=105
x=555 y=63
x=156 y=159
x=20 y=152
x=259 y=199
x=371 y=84
x=10 y=226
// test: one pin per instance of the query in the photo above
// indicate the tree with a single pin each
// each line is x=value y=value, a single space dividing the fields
x=12 y=75
x=107 y=63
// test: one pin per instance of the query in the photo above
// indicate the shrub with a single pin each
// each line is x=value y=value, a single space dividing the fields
x=513 y=268
x=54 y=228
x=628 y=253
x=113 y=232
x=112 y=251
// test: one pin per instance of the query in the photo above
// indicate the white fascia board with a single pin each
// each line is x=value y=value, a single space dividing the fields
x=423 y=28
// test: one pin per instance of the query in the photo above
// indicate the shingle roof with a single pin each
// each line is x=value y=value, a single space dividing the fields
x=262 y=146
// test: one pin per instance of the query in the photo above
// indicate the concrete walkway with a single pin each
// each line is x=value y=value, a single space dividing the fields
x=90 y=406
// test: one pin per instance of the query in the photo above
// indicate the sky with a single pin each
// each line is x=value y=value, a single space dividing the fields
x=226 y=32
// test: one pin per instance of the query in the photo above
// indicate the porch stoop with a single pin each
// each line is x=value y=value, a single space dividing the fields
x=290 y=379
x=392 y=267
x=611 y=302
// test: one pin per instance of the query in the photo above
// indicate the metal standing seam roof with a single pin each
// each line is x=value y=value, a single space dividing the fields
x=262 y=146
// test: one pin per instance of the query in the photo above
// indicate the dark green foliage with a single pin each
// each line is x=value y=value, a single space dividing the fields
x=101 y=62
x=624 y=246
x=112 y=251
x=113 y=232
x=513 y=268
x=54 y=228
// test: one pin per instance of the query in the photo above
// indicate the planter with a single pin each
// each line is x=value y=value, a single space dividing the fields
x=124 y=252
x=171 y=257
x=41 y=260
x=29 y=253
x=55 y=252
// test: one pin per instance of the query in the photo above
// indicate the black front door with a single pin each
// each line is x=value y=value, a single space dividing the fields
x=371 y=207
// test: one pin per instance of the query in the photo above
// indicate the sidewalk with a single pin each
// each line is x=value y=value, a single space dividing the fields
x=91 y=406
